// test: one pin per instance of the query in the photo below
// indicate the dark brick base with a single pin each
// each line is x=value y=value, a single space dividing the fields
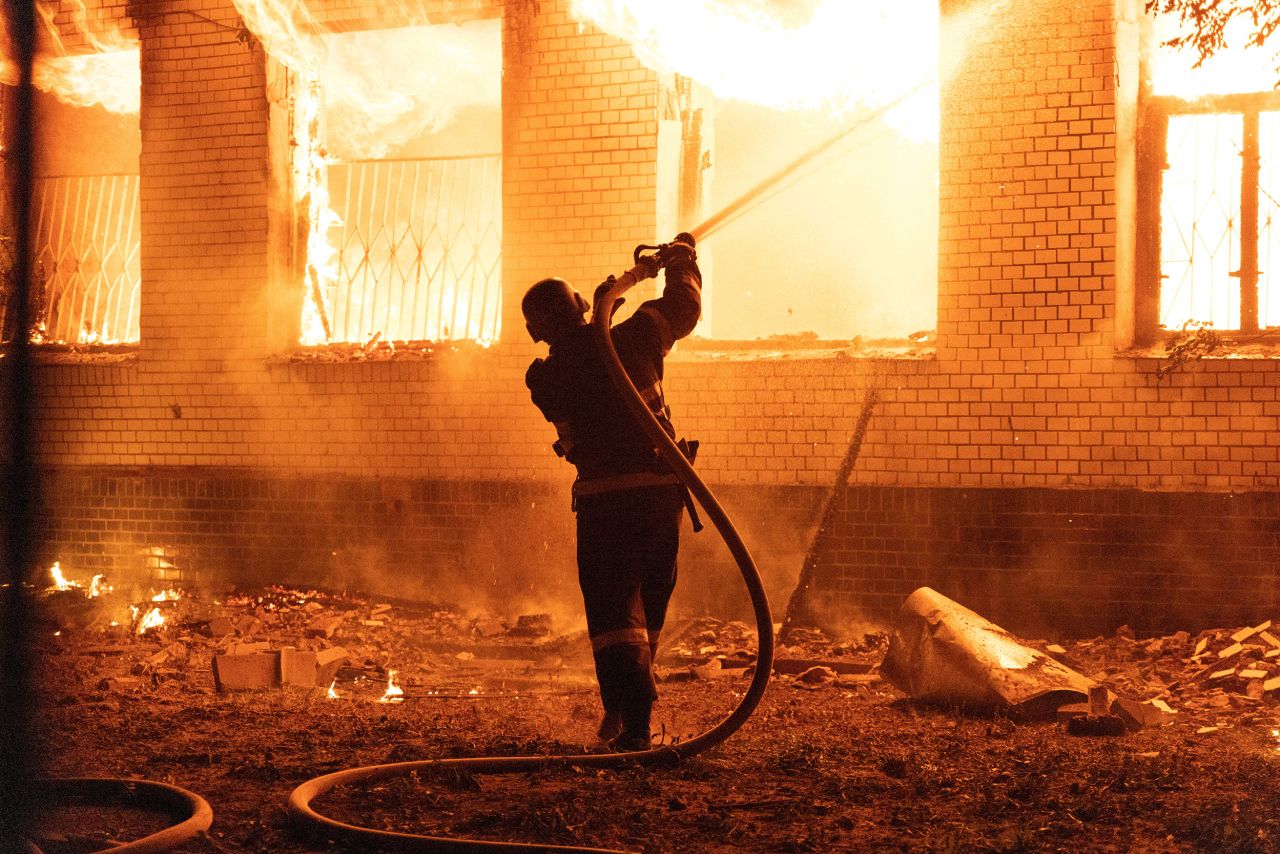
x=1037 y=561
x=494 y=544
x=434 y=540
x=1041 y=560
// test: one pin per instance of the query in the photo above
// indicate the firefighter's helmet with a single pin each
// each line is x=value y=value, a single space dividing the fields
x=551 y=308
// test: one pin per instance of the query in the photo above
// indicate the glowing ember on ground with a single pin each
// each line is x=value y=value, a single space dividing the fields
x=474 y=691
x=332 y=694
x=152 y=619
x=394 y=693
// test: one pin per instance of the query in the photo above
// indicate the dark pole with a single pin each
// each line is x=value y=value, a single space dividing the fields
x=19 y=496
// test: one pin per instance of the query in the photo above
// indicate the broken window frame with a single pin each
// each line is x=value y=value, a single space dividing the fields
x=1152 y=164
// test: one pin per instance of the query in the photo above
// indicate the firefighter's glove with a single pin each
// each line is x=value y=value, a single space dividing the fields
x=600 y=292
x=679 y=252
x=651 y=264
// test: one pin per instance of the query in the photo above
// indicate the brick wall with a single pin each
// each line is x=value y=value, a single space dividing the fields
x=1026 y=390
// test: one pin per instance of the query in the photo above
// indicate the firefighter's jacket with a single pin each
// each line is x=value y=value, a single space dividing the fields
x=572 y=387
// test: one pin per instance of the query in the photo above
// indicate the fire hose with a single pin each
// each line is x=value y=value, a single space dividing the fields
x=142 y=794
x=300 y=800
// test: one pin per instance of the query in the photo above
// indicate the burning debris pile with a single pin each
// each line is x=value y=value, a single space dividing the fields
x=343 y=646
x=336 y=645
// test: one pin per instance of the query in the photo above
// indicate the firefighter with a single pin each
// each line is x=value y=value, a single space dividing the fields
x=627 y=499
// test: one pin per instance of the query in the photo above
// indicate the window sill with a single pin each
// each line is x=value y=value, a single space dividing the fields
x=85 y=354
x=804 y=347
x=1230 y=349
x=401 y=351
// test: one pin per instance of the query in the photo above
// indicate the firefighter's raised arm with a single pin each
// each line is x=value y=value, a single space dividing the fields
x=676 y=312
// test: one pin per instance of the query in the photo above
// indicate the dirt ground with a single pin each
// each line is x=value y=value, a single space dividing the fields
x=845 y=762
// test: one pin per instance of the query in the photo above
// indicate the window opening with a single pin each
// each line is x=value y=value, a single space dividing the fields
x=1214 y=131
x=412 y=182
x=850 y=247
x=85 y=206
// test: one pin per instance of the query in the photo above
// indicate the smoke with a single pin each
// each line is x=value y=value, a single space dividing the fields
x=385 y=88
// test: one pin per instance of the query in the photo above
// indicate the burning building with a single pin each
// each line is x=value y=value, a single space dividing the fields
x=280 y=340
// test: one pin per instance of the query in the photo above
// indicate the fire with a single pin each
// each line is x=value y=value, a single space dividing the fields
x=829 y=55
x=109 y=76
x=332 y=694
x=112 y=80
x=423 y=77
x=311 y=190
x=152 y=619
x=170 y=595
x=394 y=693
x=60 y=581
x=97 y=587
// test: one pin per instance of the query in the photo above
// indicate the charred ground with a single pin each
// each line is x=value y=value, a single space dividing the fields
x=834 y=764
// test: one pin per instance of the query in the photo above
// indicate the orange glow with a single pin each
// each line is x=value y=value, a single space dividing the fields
x=831 y=55
x=170 y=595
x=332 y=693
x=394 y=693
x=97 y=587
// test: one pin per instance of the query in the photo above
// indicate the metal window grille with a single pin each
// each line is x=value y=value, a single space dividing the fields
x=88 y=242
x=1199 y=221
x=419 y=257
x=1269 y=220
x=1218 y=189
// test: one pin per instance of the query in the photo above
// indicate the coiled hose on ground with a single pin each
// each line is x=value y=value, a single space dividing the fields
x=314 y=823
x=140 y=794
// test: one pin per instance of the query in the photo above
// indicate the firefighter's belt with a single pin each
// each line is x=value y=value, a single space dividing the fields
x=620 y=482
x=637 y=480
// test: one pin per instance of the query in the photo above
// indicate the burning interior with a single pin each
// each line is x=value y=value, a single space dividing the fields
x=985 y=336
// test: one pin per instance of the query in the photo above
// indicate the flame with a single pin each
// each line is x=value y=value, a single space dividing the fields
x=332 y=694
x=394 y=693
x=109 y=75
x=112 y=80
x=423 y=76
x=60 y=581
x=830 y=55
x=311 y=190
x=474 y=691
x=97 y=587
x=170 y=595
x=152 y=619
x=1232 y=69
